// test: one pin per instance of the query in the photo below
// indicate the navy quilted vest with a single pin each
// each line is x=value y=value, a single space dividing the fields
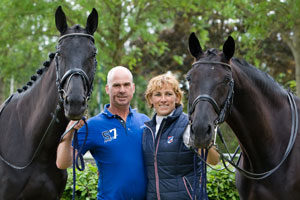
x=170 y=166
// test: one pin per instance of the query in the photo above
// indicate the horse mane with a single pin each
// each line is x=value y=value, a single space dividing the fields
x=39 y=72
x=262 y=79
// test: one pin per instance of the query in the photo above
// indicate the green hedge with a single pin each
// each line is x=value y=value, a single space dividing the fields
x=220 y=184
x=86 y=184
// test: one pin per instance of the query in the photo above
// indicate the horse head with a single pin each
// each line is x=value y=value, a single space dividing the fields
x=75 y=63
x=210 y=90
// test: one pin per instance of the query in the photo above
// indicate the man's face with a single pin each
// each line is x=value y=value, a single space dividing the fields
x=120 y=89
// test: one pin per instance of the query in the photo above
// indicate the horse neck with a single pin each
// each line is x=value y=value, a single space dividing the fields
x=41 y=101
x=255 y=117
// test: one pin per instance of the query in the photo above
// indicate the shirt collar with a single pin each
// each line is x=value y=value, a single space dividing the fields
x=109 y=114
x=160 y=118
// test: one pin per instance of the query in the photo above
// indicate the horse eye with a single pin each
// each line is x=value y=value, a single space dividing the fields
x=227 y=79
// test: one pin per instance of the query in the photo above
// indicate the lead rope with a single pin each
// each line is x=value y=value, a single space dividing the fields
x=203 y=187
x=195 y=175
x=78 y=159
x=203 y=176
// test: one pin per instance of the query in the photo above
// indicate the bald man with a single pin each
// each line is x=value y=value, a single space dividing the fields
x=114 y=140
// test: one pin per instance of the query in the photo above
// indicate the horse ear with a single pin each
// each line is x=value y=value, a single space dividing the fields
x=229 y=48
x=194 y=46
x=60 y=20
x=92 y=22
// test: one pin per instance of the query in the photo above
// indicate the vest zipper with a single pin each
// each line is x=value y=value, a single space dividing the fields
x=185 y=181
x=155 y=155
x=155 y=158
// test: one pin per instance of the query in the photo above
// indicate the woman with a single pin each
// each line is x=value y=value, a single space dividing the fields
x=169 y=162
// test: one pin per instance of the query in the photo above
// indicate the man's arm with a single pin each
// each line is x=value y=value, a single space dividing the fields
x=64 y=152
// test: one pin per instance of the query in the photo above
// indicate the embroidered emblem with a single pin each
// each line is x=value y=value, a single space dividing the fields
x=109 y=135
x=170 y=139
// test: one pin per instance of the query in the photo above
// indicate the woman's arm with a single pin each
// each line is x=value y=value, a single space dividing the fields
x=213 y=156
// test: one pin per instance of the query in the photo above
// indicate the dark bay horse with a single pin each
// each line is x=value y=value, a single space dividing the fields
x=33 y=119
x=262 y=114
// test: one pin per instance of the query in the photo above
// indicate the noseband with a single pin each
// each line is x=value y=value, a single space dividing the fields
x=204 y=97
x=60 y=82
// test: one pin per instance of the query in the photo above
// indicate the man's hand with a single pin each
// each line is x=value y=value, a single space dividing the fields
x=77 y=126
x=72 y=126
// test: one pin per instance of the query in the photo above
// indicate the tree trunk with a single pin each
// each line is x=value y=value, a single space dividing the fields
x=293 y=41
x=297 y=70
x=296 y=54
x=2 y=96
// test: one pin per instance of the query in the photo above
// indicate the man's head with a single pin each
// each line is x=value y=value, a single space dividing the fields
x=120 y=86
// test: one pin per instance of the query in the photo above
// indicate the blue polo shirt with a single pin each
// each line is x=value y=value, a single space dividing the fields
x=117 y=149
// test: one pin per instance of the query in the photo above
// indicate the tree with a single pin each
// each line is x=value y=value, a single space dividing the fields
x=26 y=33
x=150 y=37
x=274 y=22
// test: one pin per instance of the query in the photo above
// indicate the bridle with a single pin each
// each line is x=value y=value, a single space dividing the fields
x=205 y=97
x=221 y=117
x=60 y=82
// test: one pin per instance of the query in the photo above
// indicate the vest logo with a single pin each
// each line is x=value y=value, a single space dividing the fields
x=109 y=135
x=170 y=139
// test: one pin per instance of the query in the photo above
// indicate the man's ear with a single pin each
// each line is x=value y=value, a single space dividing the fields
x=106 y=89
x=133 y=85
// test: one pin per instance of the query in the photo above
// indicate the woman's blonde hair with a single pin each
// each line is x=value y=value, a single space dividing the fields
x=158 y=82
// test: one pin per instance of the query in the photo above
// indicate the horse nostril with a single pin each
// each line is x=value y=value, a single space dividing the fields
x=67 y=100
x=209 y=129
x=75 y=101
x=83 y=102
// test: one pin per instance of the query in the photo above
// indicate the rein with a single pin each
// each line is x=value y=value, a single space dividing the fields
x=5 y=103
x=221 y=118
x=294 y=130
x=54 y=119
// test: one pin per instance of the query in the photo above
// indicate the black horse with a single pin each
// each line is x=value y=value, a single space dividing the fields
x=33 y=119
x=262 y=114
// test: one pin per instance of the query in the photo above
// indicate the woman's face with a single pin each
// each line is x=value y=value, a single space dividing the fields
x=164 y=100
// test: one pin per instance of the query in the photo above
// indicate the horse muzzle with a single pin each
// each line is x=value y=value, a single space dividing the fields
x=74 y=92
x=75 y=106
x=201 y=135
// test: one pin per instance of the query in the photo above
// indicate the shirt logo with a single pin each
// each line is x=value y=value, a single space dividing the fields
x=170 y=139
x=109 y=135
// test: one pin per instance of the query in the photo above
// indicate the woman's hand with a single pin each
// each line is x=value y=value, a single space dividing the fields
x=213 y=156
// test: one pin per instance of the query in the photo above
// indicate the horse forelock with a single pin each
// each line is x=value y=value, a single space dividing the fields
x=212 y=51
x=211 y=54
x=76 y=29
